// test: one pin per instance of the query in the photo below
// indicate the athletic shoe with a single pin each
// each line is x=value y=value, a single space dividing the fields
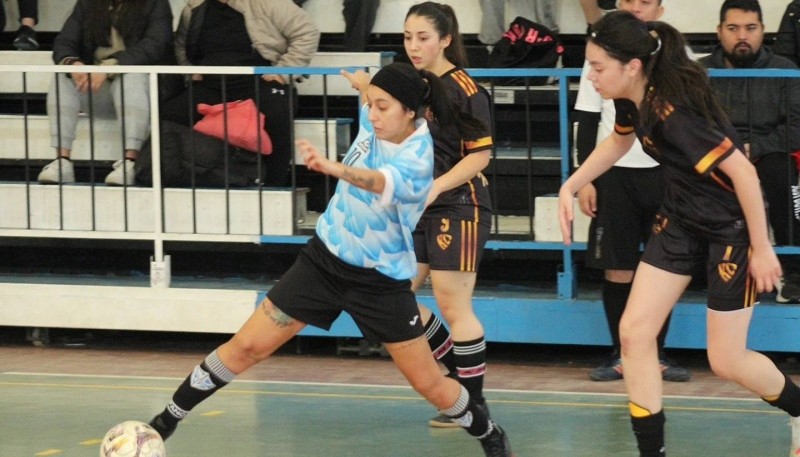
x=57 y=171
x=670 y=371
x=496 y=444
x=795 y=421
x=789 y=292
x=609 y=371
x=163 y=429
x=123 y=173
x=442 y=421
x=26 y=39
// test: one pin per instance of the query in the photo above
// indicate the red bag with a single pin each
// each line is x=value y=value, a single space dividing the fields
x=245 y=124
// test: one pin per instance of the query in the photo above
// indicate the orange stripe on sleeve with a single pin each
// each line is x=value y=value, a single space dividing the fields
x=711 y=158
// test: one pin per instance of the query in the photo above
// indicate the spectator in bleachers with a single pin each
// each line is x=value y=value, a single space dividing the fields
x=593 y=10
x=451 y=235
x=787 y=43
x=622 y=204
x=131 y=32
x=256 y=33
x=28 y=17
x=493 y=19
x=359 y=17
x=766 y=114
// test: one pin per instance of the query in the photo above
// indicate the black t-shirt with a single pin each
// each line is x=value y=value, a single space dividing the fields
x=449 y=148
x=697 y=195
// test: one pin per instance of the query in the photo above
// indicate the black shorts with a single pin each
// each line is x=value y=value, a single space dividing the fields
x=673 y=249
x=319 y=286
x=627 y=202
x=452 y=244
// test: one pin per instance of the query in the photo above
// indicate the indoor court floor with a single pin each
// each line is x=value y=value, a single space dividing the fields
x=59 y=401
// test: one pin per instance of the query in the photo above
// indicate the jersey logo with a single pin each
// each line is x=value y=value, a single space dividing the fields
x=660 y=223
x=444 y=240
x=727 y=270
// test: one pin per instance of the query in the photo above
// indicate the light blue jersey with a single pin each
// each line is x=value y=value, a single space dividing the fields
x=369 y=230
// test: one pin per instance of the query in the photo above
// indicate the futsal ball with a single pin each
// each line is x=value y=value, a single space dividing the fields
x=132 y=439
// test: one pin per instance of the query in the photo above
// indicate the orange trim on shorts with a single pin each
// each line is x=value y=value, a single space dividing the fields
x=469 y=245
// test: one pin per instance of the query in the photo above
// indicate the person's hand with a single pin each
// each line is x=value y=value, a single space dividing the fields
x=587 y=200
x=97 y=80
x=197 y=77
x=765 y=268
x=565 y=215
x=358 y=80
x=81 y=80
x=314 y=159
x=274 y=78
x=747 y=150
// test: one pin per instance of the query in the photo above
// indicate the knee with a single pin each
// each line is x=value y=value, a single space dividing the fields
x=246 y=350
x=721 y=363
x=633 y=336
x=433 y=389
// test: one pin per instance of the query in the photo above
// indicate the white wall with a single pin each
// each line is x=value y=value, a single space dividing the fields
x=689 y=16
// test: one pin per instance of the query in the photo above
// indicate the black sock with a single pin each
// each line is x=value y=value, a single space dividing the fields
x=205 y=379
x=441 y=345
x=649 y=431
x=470 y=416
x=615 y=296
x=470 y=358
x=789 y=399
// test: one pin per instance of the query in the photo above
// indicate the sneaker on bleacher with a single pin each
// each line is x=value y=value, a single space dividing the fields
x=26 y=39
x=57 y=171
x=123 y=173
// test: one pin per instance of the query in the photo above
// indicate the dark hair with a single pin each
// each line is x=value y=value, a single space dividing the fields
x=744 y=5
x=672 y=76
x=127 y=17
x=422 y=91
x=444 y=21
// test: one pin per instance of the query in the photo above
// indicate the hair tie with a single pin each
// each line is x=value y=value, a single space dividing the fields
x=655 y=36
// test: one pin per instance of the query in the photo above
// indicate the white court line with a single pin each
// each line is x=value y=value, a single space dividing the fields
x=378 y=386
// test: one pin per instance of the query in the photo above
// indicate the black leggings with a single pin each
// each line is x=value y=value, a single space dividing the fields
x=778 y=173
x=273 y=100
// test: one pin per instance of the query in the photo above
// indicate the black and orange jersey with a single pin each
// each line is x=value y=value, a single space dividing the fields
x=449 y=148
x=697 y=194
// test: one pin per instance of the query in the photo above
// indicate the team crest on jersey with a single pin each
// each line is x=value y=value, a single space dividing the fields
x=660 y=224
x=727 y=270
x=444 y=240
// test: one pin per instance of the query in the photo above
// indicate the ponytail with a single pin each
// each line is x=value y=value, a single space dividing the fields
x=446 y=113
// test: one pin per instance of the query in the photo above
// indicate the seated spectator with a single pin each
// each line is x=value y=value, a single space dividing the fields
x=280 y=32
x=766 y=114
x=359 y=17
x=135 y=32
x=787 y=43
x=28 y=17
x=593 y=10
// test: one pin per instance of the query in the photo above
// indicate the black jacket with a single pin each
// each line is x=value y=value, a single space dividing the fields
x=787 y=43
x=153 y=47
x=763 y=110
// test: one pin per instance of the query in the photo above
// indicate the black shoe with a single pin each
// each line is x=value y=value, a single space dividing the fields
x=609 y=371
x=496 y=444
x=26 y=39
x=163 y=429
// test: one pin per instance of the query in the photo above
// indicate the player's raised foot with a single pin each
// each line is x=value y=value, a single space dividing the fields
x=795 y=422
x=164 y=428
x=496 y=444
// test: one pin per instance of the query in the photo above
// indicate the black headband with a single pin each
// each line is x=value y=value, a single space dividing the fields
x=403 y=82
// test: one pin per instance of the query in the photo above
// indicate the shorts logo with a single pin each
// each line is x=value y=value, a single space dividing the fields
x=201 y=380
x=413 y=322
x=727 y=270
x=444 y=240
